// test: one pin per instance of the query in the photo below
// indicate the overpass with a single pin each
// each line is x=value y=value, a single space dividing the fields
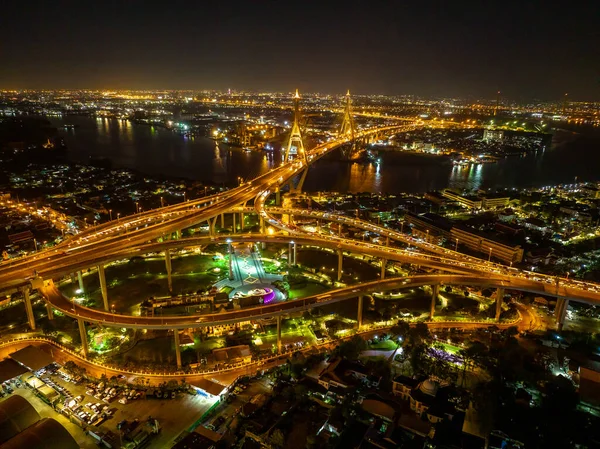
x=129 y=236
x=461 y=274
x=151 y=225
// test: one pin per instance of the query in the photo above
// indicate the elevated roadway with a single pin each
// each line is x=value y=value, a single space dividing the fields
x=151 y=225
x=70 y=308
x=464 y=274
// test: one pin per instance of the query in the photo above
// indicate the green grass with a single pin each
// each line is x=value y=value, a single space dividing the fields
x=450 y=349
x=387 y=345
x=309 y=290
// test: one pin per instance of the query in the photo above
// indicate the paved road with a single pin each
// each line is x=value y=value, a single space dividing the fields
x=151 y=225
x=60 y=302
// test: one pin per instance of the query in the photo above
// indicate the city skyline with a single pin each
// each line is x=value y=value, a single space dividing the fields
x=466 y=51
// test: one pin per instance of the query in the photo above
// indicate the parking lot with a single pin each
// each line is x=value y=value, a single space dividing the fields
x=173 y=415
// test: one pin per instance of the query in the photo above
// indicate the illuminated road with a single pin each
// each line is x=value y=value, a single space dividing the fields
x=130 y=236
x=141 y=228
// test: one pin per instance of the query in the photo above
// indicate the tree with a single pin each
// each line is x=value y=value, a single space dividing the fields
x=386 y=314
x=277 y=438
x=352 y=348
x=418 y=359
x=380 y=367
x=448 y=289
x=487 y=292
x=401 y=330
x=419 y=333
x=558 y=410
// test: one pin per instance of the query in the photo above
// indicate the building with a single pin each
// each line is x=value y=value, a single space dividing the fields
x=233 y=355
x=492 y=202
x=468 y=201
x=591 y=191
x=507 y=215
x=210 y=389
x=540 y=256
x=403 y=385
x=344 y=374
x=431 y=227
x=492 y=135
x=487 y=245
x=508 y=228
x=589 y=385
x=200 y=438
x=428 y=398
x=536 y=224
x=21 y=426
x=436 y=198
x=32 y=358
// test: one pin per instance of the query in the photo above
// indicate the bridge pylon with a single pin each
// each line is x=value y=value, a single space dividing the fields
x=295 y=141
x=347 y=128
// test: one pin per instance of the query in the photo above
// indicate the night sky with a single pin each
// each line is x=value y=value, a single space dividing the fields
x=527 y=49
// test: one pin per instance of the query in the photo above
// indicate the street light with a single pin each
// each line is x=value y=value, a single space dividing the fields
x=110 y=214
x=490 y=256
x=456 y=246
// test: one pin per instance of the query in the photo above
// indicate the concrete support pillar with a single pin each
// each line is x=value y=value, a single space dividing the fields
x=178 y=234
x=222 y=221
x=80 y=279
x=103 y=288
x=383 y=266
x=241 y=221
x=290 y=254
x=387 y=241
x=359 y=317
x=262 y=225
x=278 y=334
x=560 y=312
x=230 y=252
x=277 y=197
x=499 y=298
x=50 y=311
x=83 y=335
x=169 y=269
x=177 y=348
x=28 y=308
x=435 y=291
x=295 y=253
x=234 y=227
x=340 y=254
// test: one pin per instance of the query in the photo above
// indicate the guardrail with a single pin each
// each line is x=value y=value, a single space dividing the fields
x=256 y=363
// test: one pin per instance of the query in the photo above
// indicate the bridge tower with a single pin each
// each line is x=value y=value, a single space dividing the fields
x=296 y=143
x=347 y=128
x=295 y=140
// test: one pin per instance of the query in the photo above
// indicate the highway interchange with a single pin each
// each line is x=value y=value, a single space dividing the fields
x=143 y=233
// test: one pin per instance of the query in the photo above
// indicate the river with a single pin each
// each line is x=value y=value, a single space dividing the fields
x=155 y=150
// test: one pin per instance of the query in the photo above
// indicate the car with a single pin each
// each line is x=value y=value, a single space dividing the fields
x=123 y=401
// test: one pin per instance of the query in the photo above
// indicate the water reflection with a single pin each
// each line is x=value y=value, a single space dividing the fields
x=467 y=177
x=155 y=150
